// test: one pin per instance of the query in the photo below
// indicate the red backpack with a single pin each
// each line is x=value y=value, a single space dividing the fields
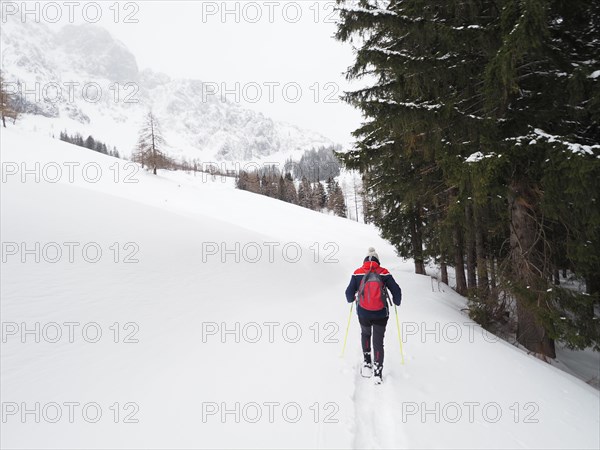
x=372 y=294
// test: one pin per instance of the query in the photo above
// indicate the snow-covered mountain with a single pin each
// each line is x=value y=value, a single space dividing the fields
x=81 y=79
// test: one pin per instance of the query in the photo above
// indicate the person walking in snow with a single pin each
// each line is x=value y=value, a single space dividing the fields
x=371 y=282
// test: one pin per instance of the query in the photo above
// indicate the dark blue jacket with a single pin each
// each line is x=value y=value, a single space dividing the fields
x=388 y=281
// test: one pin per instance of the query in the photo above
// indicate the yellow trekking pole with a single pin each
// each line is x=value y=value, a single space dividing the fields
x=347 y=328
x=399 y=335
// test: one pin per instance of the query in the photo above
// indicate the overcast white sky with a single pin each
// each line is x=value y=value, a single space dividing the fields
x=258 y=42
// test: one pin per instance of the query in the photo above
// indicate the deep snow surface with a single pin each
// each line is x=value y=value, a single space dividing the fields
x=222 y=346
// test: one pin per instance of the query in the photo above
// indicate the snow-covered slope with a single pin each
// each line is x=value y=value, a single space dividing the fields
x=83 y=80
x=208 y=347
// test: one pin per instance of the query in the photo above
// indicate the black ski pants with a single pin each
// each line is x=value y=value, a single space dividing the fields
x=376 y=329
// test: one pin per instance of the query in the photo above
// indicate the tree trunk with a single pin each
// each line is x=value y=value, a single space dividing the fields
x=444 y=268
x=492 y=261
x=482 y=270
x=461 y=281
x=417 y=245
x=530 y=333
x=443 y=261
x=592 y=284
x=419 y=268
x=470 y=247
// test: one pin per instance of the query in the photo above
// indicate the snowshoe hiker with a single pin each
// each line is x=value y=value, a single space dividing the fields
x=371 y=282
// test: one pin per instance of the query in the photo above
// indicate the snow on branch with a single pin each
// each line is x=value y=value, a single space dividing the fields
x=406 y=55
x=478 y=156
x=424 y=105
x=380 y=145
x=469 y=27
x=374 y=11
x=574 y=147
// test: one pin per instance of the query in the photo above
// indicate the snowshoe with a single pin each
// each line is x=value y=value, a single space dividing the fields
x=378 y=373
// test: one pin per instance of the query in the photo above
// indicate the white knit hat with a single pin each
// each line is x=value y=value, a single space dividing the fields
x=372 y=254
